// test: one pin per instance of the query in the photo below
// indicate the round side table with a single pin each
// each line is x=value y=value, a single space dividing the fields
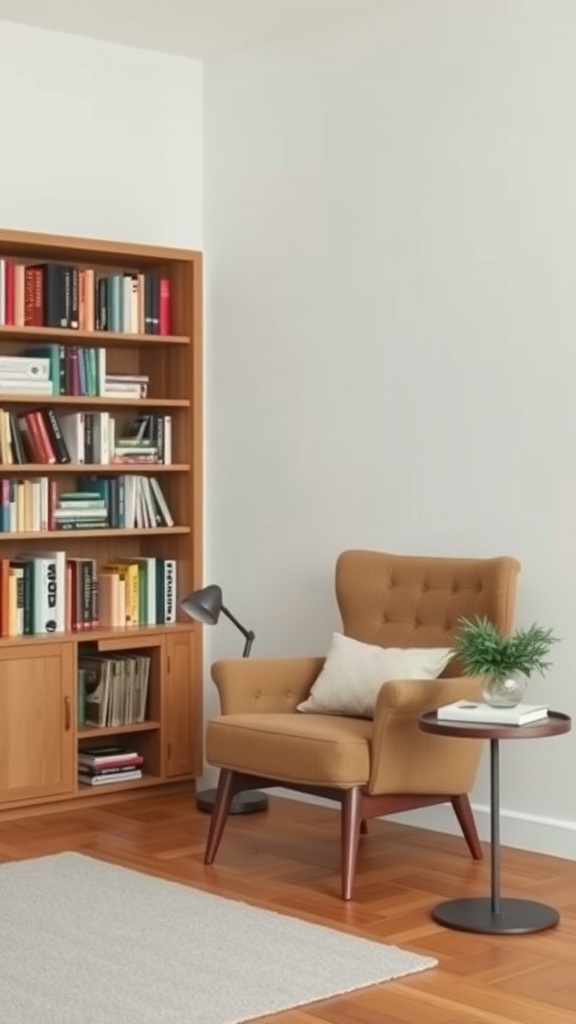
x=494 y=915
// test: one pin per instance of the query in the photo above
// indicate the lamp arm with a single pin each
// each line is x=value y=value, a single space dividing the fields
x=248 y=634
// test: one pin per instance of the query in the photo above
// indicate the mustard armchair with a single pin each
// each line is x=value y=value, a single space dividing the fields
x=374 y=767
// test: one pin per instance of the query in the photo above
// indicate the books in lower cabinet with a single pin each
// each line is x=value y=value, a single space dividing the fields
x=113 y=690
x=470 y=711
x=107 y=765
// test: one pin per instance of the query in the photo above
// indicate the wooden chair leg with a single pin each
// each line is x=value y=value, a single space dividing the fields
x=224 y=795
x=463 y=812
x=351 y=823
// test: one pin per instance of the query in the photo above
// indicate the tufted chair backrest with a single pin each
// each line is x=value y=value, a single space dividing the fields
x=413 y=601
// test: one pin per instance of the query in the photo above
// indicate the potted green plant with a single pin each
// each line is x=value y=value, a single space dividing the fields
x=506 y=662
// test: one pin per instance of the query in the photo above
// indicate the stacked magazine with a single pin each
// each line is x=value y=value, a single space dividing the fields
x=487 y=714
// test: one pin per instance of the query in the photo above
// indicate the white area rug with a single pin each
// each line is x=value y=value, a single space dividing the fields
x=85 y=942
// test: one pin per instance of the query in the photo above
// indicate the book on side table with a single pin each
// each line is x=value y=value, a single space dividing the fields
x=468 y=711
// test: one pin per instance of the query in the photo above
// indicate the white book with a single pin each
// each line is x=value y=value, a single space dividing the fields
x=104 y=780
x=73 y=432
x=469 y=711
x=167 y=459
x=58 y=588
x=161 y=502
x=45 y=592
x=101 y=437
x=169 y=567
x=29 y=386
x=25 y=367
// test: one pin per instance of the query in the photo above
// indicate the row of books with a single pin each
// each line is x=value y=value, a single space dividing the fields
x=120 y=502
x=77 y=297
x=100 y=765
x=42 y=594
x=68 y=370
x=50 y=438
x=112 y=691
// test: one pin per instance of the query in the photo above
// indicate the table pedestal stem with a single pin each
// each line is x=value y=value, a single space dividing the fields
x=495 y=826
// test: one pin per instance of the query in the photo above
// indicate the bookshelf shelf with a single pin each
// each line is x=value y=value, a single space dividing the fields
x=89 y=469
x=92 y=791
x=67 y=336
x=85 y=402
x=155 y=294
x=161 y=531
x=107 y=639
x=117 y=730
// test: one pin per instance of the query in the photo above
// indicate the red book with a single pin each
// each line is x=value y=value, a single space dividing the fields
x=164 y=326
x=10 y=292
x=122 y=762
x=33 y=297
x=40 y=437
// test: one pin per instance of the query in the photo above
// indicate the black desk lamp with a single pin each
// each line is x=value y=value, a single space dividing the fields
x=205 y=606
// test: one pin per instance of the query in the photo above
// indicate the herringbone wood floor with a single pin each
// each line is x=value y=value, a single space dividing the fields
x=287 y=860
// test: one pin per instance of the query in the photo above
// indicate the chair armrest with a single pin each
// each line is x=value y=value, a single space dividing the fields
x=267 y=685
x=420 y=695
x=407 y=760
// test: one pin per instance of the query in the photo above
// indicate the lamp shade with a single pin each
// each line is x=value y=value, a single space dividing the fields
x=204 y=605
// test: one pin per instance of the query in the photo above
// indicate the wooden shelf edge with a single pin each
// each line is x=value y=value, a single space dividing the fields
x=88 y=791
x=98 y=339
x=96 y=402
x=116 y=730
x=94 y=635
x=161 y=531
x=36 y=243
x=88 y=467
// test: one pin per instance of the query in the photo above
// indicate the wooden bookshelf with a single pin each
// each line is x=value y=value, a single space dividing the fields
x=39 y=732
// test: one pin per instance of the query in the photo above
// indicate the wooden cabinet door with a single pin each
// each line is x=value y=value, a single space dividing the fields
x=182 y=703
x=36 y=727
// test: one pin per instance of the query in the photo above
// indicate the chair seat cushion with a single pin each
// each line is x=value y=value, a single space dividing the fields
x=312 y=749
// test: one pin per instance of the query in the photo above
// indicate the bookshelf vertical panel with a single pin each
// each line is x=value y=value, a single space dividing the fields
x=181 y=708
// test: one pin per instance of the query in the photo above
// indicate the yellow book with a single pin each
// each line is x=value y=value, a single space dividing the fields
x=129 y=572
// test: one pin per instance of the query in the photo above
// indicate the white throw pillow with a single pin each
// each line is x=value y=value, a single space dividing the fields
x=354 y=672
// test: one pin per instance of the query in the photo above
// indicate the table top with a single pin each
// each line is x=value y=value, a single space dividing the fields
x=554 y=725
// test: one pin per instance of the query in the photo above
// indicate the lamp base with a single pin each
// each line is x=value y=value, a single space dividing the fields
x=243 y=803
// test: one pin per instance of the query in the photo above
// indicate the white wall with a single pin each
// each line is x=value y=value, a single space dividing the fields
x=99 y=140
x=391 y=241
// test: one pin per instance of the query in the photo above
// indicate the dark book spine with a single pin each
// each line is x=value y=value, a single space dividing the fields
x=56 y=437
x=54 y=298
x=112 y=503
x=85 y=524
x=94 y=595
x=155 y=304
x=28 y=593
x=102 y=305
x=86 y=594
x=18 y=451
x=89 y=437
x=159 y=437
x=148 y=304
x=74 y=297
x=67 y=291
